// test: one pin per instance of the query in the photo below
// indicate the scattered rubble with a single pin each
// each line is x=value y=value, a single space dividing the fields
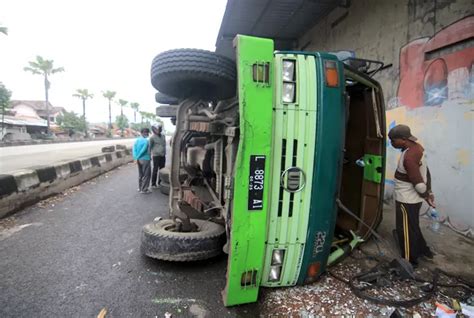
x=7 y=223
x=330 y=296
x=51 y=201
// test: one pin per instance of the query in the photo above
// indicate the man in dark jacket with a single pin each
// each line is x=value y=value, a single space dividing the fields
x=158 y=152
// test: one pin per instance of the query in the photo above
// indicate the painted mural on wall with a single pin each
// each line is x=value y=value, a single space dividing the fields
x=436 y=99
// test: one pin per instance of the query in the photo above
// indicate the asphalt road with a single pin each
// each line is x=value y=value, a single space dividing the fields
x=74 y=255
x=21 y=157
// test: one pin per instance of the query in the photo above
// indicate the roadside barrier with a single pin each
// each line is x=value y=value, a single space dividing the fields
x=28 y=186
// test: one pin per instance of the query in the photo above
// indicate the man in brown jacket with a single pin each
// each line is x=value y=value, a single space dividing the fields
x=412 y=187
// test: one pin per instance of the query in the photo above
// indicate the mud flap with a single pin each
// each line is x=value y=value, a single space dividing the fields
x=252 y=171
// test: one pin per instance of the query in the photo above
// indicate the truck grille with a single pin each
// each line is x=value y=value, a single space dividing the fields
x=294 y=139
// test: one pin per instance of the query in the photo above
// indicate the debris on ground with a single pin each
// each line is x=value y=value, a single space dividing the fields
x=102 y=313
x=467 y=310
x=7 y=223
x=52 y=201
x=444 y=311
x=332 y=296
x=7 y=232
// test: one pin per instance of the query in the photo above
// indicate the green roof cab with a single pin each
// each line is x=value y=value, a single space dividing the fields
x=260 y=169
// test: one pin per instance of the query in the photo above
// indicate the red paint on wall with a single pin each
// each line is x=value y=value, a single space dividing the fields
x=426 y=63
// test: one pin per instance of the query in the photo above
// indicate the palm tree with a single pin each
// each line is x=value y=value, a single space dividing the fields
x=135 y=107
x=110 y=96
x=122 y=103
x=45 y=68
x=84 y=95
x=149 y=116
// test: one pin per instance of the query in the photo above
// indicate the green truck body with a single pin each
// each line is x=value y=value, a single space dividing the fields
x=265 y=147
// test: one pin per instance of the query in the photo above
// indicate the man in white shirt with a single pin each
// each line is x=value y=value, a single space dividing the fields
x=412 y=187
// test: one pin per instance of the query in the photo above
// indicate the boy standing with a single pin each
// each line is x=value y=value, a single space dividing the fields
x=141 y=154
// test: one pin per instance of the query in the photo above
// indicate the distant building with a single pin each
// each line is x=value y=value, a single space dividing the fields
x=97 y=130
x=27 y=118
x=36 y=109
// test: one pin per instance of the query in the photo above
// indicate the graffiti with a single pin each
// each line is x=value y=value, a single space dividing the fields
x=435 y=98
x=437 y=68
x=393 y=102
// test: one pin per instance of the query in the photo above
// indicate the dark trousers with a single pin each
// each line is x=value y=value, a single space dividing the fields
x=158 y=163
x=144 y=169
x=411 y=241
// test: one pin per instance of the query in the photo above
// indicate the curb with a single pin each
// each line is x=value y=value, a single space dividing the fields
x=28 y=186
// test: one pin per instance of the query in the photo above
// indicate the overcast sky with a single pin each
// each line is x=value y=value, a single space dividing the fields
x=103 y=45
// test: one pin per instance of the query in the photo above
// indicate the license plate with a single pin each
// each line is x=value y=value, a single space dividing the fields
x=256 y=182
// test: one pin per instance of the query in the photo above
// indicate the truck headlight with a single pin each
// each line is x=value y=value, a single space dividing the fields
x=288 y=92
x=288 y=70
x=275 y=272
x=277 y=257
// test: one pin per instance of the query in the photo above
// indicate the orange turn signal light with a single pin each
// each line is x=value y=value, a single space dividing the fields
x=313 y=269
x=332 y=77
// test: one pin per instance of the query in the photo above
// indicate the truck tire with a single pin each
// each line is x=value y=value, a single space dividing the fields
x=185 y=73
x=161 y=98
x=164 y=175
x=165 y=188
x=166 y=111
x=159 y=242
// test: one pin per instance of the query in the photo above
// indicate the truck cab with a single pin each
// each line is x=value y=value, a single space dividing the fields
x=265 y=150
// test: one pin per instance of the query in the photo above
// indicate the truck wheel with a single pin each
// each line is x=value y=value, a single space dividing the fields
x=166 y=111
x=161 y=242
x=165 y=188
x=161 y=98
x=185 y=73
x=164 y=175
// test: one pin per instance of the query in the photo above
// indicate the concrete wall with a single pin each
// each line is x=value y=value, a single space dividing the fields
x=430 y=85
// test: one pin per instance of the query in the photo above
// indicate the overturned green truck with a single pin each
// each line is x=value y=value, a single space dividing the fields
x=264 y=148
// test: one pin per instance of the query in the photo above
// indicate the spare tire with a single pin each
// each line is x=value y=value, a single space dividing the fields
x=166 y=111
x=161 y=98
x=185 y=73
x=164 y=175
x=161 y=242
x=165 y=188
